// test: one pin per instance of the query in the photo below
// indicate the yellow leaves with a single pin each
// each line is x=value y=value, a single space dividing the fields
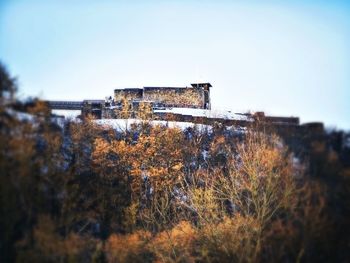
x=260 y=181
x=121 y=148
x=232 y=240
x=51 y=245
x=157 y=171
x=44 y=233
x=171 y=245
x=157 y=153
x=145 y=111
x=127 y=248
x=101 y=147
x=228 y=228
x=219 y=140
x=130 y=214
x=40 y=108
x=205 y=203
x=85 y=131
x=176 y=244
x=126 y=111
x=136 y=171
x=261 y=157
x=177 y=167
x=154 y=154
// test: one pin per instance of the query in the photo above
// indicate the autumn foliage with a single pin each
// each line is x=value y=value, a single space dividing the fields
x=81 y=192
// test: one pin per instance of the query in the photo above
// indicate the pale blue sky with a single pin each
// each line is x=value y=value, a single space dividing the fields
x=281 y=57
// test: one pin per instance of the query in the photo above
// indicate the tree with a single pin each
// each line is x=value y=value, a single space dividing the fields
x=8 y=86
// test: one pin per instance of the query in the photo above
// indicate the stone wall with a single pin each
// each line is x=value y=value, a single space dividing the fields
x=175 y=97
x=128 y=94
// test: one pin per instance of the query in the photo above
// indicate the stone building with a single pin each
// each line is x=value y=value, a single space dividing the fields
x=183 y=104
x=195 y=96
x=93 y=107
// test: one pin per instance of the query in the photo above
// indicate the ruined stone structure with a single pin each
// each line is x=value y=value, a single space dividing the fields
x=167 y=103
x=139 y=102
x=196 y=96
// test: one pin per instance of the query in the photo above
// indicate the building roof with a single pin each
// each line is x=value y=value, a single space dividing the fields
x=205 y=113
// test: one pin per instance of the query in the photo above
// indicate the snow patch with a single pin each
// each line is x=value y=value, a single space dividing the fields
x=206 y=113
x=22 y=116
x=125 y=124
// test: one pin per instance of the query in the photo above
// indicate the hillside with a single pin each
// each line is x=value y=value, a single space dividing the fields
x=132 y=190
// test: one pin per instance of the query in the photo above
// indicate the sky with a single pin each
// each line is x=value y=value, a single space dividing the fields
x=286 y=58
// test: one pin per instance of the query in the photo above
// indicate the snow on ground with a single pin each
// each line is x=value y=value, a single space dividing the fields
x=125 y=124
x=206 y=113
x=22 y=116
x=70 y=114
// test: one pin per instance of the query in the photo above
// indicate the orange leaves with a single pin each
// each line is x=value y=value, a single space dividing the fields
x=102 y=147
x=177 y=167
x=126 y=111
x=40 y=108
x=171 y=245
x=145 y=111
x=260 y=178
x=121 y=148
x=157 y=153
x=232 y=240
x=127 y=248
x=53 y=247
x=176 y=244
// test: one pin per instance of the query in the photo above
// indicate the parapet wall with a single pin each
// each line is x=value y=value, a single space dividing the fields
x=176 y=97
x=128 y=94
x=195 y=96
